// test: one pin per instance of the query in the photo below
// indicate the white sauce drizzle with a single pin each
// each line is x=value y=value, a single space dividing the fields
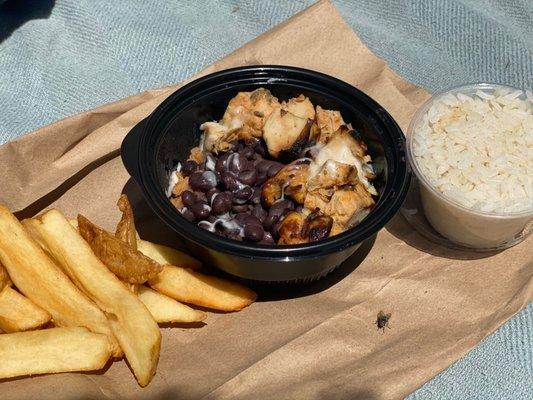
x=173 y=179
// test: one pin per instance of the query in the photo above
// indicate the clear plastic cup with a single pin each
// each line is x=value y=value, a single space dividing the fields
x=461 y=225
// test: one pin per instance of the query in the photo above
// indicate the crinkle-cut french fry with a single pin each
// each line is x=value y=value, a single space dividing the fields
x=203 y=290
x=165 y=309
x=52 y=351
x=167 y=255
x=37 y=277
x=131 y=322
x=17 y=313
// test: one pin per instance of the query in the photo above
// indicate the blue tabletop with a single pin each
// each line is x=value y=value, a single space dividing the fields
x=61 y=57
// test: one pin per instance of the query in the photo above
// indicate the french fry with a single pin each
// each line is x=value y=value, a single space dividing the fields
x=164 y=309
x=18 y=314
x=51 y=351
x=130 y=320
x=126 y=227
x=43 y=282
x=167 y=255
x=203 y=290
x=119 y=257
x=4 y=278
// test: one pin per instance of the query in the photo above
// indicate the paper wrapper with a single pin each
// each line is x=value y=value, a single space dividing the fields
x=320 y=341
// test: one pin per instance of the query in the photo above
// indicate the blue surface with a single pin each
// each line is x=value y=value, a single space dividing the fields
x=60 y=58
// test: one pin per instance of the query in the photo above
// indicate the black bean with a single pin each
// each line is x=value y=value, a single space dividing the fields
x=188 y=214
x=260 y=148
x=221 y=204
x=259 y=212
x=235 y=163
x=188 y=198
x=267 y=239
x=253 y=232
x=239 y=208
x=270 y=220
x=203 y=181
x=263 y=166
x=281 y=207
x=256 y=196
x=247 y=152
x=261 y=178
x=245 y=218
x=248 y=177
x=189 y=167
x=243 y=194
x=229 y=181
x=200 y=211
x=221 y=164
x=211 y=193
x=236 y=145
x=274 y=169
x=200 y=197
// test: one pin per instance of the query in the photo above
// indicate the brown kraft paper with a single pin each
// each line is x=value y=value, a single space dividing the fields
x=319 y=341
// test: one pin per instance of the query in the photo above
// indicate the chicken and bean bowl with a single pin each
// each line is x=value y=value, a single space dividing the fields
x=270 y=171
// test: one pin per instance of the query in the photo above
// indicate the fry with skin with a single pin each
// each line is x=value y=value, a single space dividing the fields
x=18 y=314
x=125 y=262
x=4 y=278
x=203 y=290
x=165 y=309
x=52 y=351
x=126 y=227
x=167 y=255
x=130 y=320
x=43 y=282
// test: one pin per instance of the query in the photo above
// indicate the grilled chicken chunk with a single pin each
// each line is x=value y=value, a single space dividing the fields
x=285 y=132
x=328 y=122
x=343 y=206
x=298 y=228
x=300 y=106
x=289 y=181
x=250 y=110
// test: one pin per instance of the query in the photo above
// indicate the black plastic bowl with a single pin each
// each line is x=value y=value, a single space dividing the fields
x=159 y=142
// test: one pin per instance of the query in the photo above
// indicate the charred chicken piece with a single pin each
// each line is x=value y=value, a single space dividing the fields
x=290 y=231
x=285 y=132
x=298 y=228
x=289 y=181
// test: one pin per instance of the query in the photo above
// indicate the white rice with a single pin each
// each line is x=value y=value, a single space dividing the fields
x=478 y=150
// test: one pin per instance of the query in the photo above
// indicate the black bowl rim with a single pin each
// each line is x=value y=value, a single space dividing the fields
x=389 y=203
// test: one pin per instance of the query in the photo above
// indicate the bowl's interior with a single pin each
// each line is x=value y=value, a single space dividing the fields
x=182 y=131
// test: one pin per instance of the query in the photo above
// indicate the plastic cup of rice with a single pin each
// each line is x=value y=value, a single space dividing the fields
x=471 y=148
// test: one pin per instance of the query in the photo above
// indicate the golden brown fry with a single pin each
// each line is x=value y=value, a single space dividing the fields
x=167 y=255
x=131 y=322
x=126 y=227
x=17 y=313
x=51 y=351
x=203 y=290
x=43 y=282
x=165 y=309
x=4 y=278
x=128 y=264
